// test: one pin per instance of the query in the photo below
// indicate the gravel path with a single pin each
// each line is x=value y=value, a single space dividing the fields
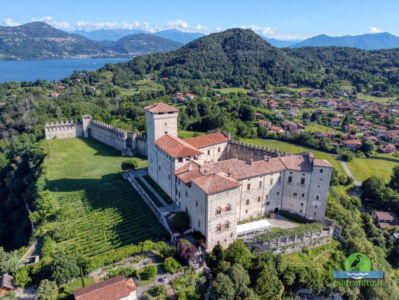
x=349 y=173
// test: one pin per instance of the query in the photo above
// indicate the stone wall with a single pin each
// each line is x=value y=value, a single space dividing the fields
x=129 y=143
x=63 y=130
x=292 y=243
x=248 y=152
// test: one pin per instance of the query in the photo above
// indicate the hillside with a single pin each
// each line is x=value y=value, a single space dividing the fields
x=143 y=43
x=241 y=58
x=366 y=41
x=39 y=40
x=235 y=56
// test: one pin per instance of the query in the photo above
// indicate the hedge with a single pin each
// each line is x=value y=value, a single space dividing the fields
x=115 y=255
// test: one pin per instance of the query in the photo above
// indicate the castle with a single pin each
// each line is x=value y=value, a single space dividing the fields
x=220 y=182
x=217 y=181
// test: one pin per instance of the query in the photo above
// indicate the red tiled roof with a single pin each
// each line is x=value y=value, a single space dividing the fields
x=188 y=172
x=215 y=183
x=176 y=147
x=207 y=140
x=299 y=162
x=352 y=142
x=160 y=108
x=386 y=215
x=110 y=289
x=322 y=163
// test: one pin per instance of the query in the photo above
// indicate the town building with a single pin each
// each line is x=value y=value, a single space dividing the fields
x=219 y=182
x=116 y=288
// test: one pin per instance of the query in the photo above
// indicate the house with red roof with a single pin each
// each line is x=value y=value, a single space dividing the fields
x=116 y=288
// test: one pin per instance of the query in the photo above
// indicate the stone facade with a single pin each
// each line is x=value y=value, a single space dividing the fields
x=231 y=181
x=127 y=142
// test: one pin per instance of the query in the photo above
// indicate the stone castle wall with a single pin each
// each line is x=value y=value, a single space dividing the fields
x=248 y=152
x=129 y=143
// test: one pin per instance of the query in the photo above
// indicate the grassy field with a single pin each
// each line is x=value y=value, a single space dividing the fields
x=313 y=127
x=375 y=99
x=232 y=90
x=189 y=134
x=292 y=148
x=363 y=168
x=98 y=209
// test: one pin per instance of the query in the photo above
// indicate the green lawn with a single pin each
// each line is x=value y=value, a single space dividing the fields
x=184 y=134
x=294 y=149
x=375 y=99
x=232 y=90
x=313 y=127
x=363 y=168
x=98 y=209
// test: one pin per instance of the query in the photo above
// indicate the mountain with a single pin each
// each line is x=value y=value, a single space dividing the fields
x=143 y=43
x=373 y=41
x=39 y=40
x=179 y=36
x=235 y=56
x=107 y=34
x=281 y=43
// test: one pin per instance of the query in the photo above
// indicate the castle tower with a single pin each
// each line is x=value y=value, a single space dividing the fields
x=86 y=119
x=161 y=120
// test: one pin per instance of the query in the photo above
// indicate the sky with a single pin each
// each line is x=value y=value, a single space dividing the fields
x=281 y=19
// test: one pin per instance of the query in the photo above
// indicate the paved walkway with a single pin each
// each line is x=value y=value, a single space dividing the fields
x=349 y=173
x=28 y=293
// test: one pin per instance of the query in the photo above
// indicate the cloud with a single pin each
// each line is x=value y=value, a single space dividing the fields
x=267 y=31
x=64 y=25
x=10 y=22
x=374 y=30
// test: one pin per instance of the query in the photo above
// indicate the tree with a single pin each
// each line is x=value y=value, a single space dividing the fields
x=238 y=253
x=22 y=277
x=373 y=189
x=171 y=265
x=394 y=182
x=215 y=257
x=64 y=268
x=9 y=261
x=129 y=164
x=222 y=288
x=367 y=147
x=347 y=156
x=240 y=278
x=47 y=290
x=181 y=220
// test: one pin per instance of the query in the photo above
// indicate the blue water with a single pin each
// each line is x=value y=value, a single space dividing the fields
x=49 y=69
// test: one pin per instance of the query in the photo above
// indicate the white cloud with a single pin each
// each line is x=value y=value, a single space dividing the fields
x=10 y=22
x=267 y=31
x=177 y=24
x=64 y=25
x=374 y=30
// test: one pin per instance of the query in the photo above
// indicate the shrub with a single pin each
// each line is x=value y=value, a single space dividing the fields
x=157 y=292
x=64 y=268
x=47 y=290
x=181 y=220
x=129 y=164
x=347 y=156
x=124 y=271
x=171 y=265
x=22 y=277
x=148 y=273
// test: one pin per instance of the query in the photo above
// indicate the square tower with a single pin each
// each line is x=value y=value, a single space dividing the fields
x=161 y=120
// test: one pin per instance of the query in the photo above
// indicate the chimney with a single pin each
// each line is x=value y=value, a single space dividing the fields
x=190 y=167
x=266 y=157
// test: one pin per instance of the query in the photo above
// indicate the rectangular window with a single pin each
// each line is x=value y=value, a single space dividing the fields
x=303 y=195
x=267 y=203
x=302 y=181
x=248 y=186
x=247 y=202
x=271 y=180
x=209 y=152
x=279 y=180
x=321 y=170
x=219 y=149
x=317 y=197
x=295 y=195
x=260 y=183
x=180 y=159
x=258 y=199
x=289 y=179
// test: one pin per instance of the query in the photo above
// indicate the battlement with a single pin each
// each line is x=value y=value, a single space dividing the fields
x=250 y=152
x=62 y=123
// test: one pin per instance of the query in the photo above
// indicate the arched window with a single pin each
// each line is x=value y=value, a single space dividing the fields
x=227 y=225
x=228 y=207
x=218 y=211
x=219 y=227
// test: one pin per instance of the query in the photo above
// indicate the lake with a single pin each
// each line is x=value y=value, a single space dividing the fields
x=49 y=69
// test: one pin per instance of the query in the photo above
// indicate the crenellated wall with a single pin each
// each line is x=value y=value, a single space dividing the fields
x=129 y=143
x=248 y=152
x=63 y=130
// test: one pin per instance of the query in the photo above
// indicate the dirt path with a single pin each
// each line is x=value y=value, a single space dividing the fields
x=349 y=173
